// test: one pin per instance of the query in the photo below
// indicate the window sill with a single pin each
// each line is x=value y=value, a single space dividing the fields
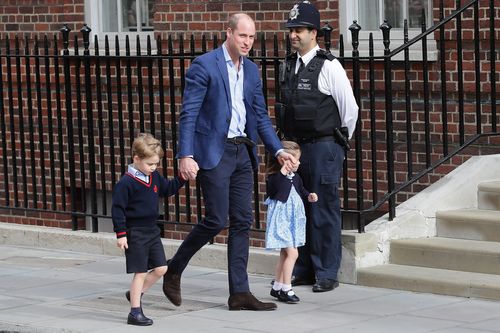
x=121 y=42
x=415 y=51
x=112 y=53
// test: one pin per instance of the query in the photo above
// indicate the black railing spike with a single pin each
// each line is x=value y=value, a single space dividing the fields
x=85 y=30
x=405 y=30
x=65 y=32
x=203 y=43
x=341 y=48
x=159 y=44
x=355 y=28
x=216 y=42
x=327 y=33
x=127 y=45
x=75 y=44
x=422 y=18
x=386 y=31
x=117 y=45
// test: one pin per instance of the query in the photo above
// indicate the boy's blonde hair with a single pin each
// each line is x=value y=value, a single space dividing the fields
x=145 y=146
x=272 y=164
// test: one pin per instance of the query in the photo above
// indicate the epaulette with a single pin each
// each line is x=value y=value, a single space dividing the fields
x=291 y=56
x=325 y=54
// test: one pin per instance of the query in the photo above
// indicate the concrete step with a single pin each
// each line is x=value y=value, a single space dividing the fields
x=431 y=280
x=447 y=253
x=488 y=195
x=475 y=224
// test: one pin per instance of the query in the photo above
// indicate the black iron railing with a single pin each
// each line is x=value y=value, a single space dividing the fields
x=68 y=116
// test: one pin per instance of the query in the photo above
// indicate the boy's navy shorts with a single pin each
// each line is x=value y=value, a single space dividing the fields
x=145 y=249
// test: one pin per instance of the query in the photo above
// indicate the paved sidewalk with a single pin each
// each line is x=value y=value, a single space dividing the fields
x=44 y=290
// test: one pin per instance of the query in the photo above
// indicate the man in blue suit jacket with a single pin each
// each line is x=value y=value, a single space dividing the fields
x=222 y=116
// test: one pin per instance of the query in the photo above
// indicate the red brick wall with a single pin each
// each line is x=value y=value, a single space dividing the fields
x=211 y=16
x=35 y=17
x=181 y=17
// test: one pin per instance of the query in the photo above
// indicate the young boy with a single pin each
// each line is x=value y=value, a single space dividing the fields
x=134 y=212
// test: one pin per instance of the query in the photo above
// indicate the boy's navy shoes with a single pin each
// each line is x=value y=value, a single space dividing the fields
x=139 y=320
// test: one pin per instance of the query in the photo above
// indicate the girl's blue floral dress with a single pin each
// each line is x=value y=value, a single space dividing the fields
x=286 y=221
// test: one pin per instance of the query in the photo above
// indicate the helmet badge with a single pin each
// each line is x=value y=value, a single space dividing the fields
x=294 y=12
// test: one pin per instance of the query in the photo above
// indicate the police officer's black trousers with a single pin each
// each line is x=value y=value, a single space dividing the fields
x=321 y=170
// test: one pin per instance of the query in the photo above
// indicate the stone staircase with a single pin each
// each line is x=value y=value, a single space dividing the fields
x=462 y=260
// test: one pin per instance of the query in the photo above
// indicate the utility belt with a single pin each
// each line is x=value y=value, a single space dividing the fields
x=316 y=139
x=340 y=136
x=238 y=140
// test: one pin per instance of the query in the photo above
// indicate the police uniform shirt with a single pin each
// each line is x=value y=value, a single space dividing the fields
x=333 y=81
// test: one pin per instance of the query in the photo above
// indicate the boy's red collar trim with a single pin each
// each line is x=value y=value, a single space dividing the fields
x=140 y=180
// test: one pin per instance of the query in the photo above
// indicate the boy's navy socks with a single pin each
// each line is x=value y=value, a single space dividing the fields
x=135 y=311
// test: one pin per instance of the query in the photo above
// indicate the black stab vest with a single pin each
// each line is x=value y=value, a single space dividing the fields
x=309 y=113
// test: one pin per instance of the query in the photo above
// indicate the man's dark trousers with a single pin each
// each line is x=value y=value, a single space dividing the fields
x=227 y=191
x=320 y=168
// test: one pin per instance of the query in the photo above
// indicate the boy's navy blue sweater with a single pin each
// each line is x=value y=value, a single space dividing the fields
x=135 y=202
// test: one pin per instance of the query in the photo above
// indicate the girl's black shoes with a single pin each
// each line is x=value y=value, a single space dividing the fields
x=288 y=296
x=285 y=296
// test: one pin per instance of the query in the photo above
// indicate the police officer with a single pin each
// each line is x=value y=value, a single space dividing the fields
x=318 y=105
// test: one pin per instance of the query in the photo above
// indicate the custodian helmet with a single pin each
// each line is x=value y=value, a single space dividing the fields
x=304 y=14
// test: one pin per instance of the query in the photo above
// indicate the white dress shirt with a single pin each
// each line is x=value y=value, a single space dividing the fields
x=238 y=110
x=137 y=174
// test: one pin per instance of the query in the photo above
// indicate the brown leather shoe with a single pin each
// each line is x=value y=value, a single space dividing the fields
x=172 y=288
x=247 y=301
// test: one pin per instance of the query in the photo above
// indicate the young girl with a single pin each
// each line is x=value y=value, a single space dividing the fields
x=286 y=219
x=134 y=212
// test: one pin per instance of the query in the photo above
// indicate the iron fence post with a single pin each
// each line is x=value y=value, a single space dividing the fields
x=65 y=30
x=386 y=29
x=90 y=126
x=355 y=28
x=327 y=33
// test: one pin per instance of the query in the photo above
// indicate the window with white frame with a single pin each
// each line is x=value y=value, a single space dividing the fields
x=370 y=14
x=121 y=18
